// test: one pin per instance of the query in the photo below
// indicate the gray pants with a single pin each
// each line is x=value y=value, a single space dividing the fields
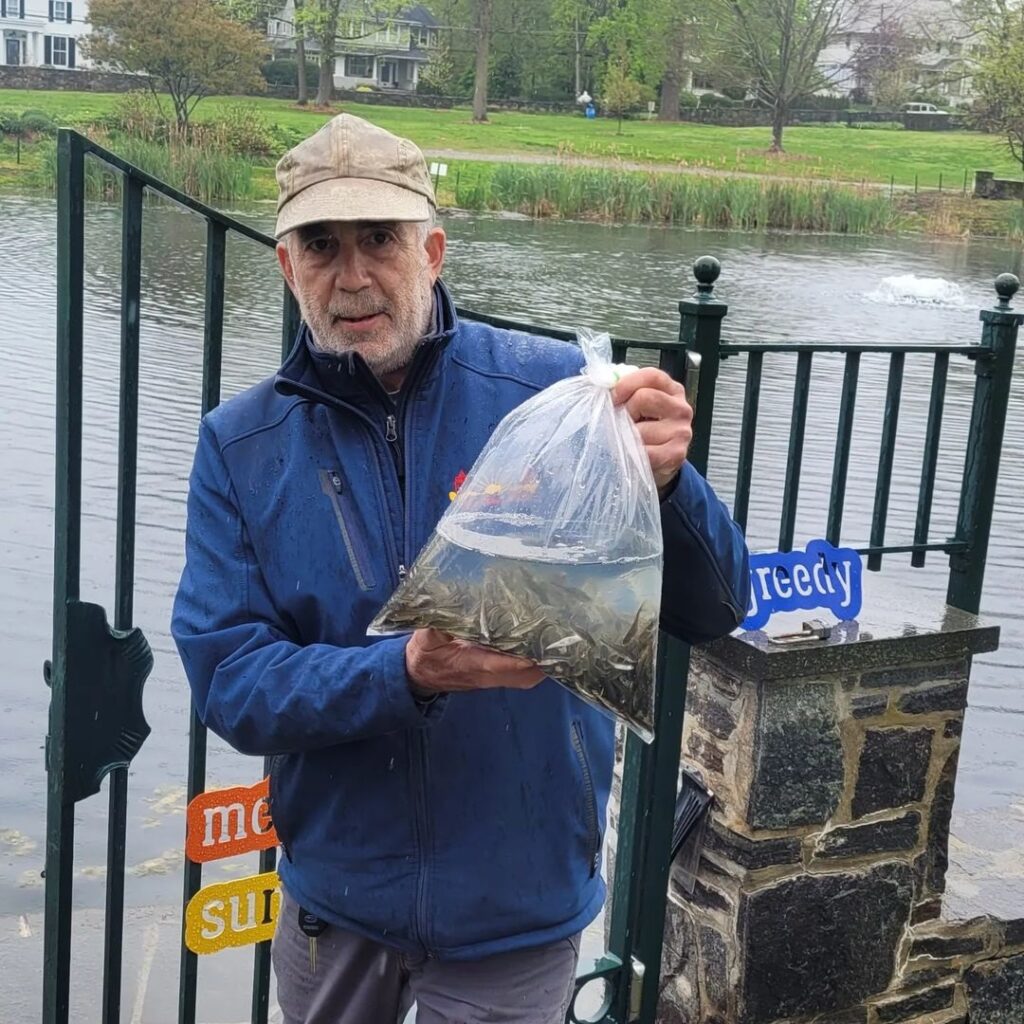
x=358 y=981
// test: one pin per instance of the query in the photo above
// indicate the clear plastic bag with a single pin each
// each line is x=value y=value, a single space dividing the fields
x=552 y=548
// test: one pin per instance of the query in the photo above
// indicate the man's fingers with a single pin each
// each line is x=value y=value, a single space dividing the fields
x=494 y=668
x=666 y=460
x=658 y=432
x=648 y=377
x=432 y=638
x=648 y=404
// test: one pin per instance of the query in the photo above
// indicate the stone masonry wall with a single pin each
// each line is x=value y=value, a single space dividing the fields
x=78 y=79
x=988 y=186
x=818 y=896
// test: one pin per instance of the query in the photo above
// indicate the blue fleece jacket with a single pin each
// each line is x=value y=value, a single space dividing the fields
x=463 y=828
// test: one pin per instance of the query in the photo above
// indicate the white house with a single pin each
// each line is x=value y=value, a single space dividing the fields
x=42 y=33
x=941 y=43
x=385 y=55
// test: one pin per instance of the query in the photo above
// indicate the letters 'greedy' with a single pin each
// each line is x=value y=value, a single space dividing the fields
x=823 y=576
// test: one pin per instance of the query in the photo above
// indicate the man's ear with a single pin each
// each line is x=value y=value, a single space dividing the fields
x=284 y=259
x=435 y=244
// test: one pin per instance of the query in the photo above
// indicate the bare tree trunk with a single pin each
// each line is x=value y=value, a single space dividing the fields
x=328 y=43
x=778 y=124
x=483 y=48
x=672 y=81
x=671 y=87
x=325 y=83
x=302 y=96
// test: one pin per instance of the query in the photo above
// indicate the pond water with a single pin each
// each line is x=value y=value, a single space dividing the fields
x=625 y=279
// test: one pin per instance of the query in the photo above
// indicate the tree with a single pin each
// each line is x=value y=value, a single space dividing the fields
x=322 y=20
x=999 y=82
x=252 y=13
x=620 y=92
x=483 y=11
x=883 y=63
x=660 y=37
x=772 y=48
x=439 y=73
x=189 y=49
x=679 y=37
x=301 y=86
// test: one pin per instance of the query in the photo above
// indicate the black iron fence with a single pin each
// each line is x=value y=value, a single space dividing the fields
x=97 y=671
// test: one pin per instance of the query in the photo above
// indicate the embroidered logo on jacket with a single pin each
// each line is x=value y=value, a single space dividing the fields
x=460 y=479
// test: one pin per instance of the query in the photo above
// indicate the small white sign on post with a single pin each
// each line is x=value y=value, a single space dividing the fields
x=439 y=170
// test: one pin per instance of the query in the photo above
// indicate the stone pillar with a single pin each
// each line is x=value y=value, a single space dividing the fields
x=818 y=893
x=983 y=184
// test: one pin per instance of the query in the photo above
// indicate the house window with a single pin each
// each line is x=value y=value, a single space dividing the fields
x=359 y=67
x=60 y=10
x=12 y=8
x=59 y=52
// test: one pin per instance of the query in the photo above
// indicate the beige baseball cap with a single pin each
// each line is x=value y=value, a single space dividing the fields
x=352 y=170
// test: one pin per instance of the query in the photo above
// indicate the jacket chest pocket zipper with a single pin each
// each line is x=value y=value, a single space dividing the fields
x=593 y=834
x=333 y=486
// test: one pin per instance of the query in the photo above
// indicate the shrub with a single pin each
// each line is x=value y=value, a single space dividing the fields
x=138 y=115
x=239 y=129
x=35 y=122
x=687 y=100
x=209 y=176
x=285 y=71
x=711 y=99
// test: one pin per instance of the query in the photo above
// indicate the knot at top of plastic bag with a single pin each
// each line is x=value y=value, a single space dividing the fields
x=597 y=350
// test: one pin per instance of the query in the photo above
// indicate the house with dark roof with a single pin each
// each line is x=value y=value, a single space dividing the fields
x=388 y=53
x=941 y=46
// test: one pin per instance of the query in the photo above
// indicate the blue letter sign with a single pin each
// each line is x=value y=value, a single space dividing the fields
x=820 y=577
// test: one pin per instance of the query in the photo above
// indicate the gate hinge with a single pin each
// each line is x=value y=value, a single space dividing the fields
x=636 y=988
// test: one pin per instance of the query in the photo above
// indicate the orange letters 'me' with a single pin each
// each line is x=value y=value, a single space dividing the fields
x=227 y=822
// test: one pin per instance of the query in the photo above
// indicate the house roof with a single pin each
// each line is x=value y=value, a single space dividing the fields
x=419 y=15
x=928 y=18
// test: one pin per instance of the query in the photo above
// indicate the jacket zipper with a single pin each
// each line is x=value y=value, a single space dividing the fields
x=332 y=485
x=418 y=780
x=593 y=835
x=391 y=436
x=399 y=443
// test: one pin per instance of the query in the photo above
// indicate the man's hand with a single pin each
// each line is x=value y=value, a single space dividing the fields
x=659 y=408
x=438 y=663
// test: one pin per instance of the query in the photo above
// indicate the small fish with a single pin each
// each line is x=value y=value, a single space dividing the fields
x=580 y=636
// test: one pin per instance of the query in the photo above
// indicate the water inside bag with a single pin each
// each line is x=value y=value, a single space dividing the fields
x=590 y=623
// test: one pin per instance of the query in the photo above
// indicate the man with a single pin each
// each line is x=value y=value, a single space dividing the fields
x=441 y=806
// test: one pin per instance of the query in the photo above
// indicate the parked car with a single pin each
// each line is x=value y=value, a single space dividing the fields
x=922 y=108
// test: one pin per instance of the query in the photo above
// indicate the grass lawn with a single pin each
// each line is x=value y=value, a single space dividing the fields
x=823 y=151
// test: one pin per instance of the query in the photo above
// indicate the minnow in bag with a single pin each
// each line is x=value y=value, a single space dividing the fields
x=552 y=548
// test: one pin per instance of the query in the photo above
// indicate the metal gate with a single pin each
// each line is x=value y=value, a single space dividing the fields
x=98 y=670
